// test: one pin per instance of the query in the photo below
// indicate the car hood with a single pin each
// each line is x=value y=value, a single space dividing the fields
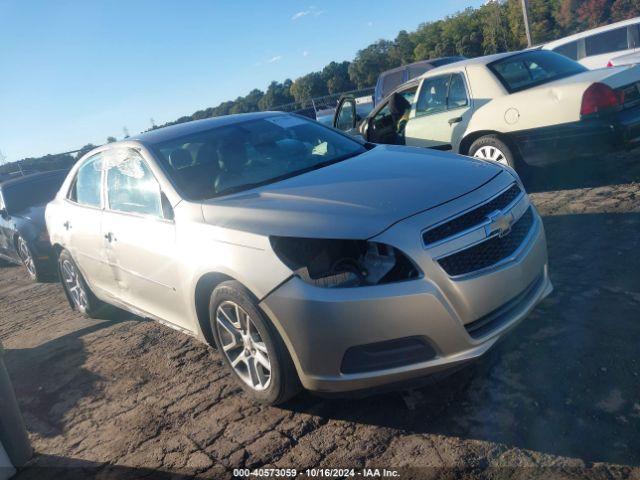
x=357 y=198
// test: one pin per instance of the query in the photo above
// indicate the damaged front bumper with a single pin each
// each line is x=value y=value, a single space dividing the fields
x=348 y=339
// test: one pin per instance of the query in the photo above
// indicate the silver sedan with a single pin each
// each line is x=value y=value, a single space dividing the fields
x=308 y=258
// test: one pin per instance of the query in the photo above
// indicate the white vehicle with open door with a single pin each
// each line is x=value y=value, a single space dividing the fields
x=529 y=108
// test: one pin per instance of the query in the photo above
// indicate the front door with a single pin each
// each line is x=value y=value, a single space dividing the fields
x=440 y=114
x=345 y=118
x=387 y=123
x=139 y=238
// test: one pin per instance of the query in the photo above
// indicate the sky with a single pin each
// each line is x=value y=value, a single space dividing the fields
x=74 y=72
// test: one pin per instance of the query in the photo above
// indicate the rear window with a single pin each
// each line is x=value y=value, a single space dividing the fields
x=607 y=42
x=21 y=196
x=569 y=50
x=390 y=81
x=529 y=69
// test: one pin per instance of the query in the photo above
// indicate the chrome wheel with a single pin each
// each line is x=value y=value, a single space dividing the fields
x=74 y=286
x=26 y=257
x=489 y=152
x=243 y=346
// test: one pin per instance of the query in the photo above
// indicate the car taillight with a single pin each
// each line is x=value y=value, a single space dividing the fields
x=599 y=97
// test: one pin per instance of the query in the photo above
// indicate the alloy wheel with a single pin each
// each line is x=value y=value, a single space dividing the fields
x=243 y=346
x=26 y=257
x=74 y=286
x=489 y=152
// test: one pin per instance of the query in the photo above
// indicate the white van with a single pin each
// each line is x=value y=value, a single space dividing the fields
x=598 y=48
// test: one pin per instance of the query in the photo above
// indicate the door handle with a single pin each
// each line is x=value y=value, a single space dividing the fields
x=66 y=225
x=455 y=120
x=110 y=237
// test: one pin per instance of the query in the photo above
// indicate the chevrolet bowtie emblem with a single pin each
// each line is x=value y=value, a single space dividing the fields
x=499 y=223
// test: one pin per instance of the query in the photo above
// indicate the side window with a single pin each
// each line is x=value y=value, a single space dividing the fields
x=634 y=33
x=132 y=188
x=606 y=42
x=87 y=185
x=457 y=93
x=409 y=94
x=569 y=50
x=383 y=117
x=433 y=96
x=345 y=120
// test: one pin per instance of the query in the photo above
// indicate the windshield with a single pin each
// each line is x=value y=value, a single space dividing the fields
x=247 y=154
x=21 y=196
x=532 y=68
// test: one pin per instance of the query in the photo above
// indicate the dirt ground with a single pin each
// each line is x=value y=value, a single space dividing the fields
x=561 y=393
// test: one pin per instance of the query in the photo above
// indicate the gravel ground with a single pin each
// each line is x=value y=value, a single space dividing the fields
x=131 y=398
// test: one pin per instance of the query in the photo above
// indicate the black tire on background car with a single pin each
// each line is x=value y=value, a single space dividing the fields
x=80 y=296
x=492 y=147
x=29 y=260
x=251 y=346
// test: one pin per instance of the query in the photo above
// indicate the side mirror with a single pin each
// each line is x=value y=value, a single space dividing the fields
x=4 y=214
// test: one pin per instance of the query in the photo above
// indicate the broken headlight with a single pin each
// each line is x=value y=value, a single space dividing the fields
x=343 y=263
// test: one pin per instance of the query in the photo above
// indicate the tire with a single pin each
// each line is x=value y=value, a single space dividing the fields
x=80 y=296
x=29 y=260
x=492 y=147
x=247 y=342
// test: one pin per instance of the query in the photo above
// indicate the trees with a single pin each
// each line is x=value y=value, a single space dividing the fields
x=593 y=13
x=111 y=139
x=623 y=9
x=566 y=16
x=277 y=94
x=336 y=77
x=308 y=86
x=403 y=48
x=371 y=62
x=496 y=36
x=248 y=103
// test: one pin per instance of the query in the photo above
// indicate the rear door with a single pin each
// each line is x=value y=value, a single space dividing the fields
x=139 y=238
x=441 y=112
x=81 y=223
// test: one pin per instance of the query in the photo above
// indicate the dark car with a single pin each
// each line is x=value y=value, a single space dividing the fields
x=23 y=234
x=389 y=80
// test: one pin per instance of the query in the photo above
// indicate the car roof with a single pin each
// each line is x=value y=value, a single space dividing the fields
x=485 y=60
x=429 y=61
x=32 y=176
x=587 y=33
x=176 y=131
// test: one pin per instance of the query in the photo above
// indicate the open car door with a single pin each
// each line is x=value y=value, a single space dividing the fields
x=346 y=118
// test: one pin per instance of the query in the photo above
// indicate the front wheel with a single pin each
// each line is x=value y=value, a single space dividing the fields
x=28 y=260
x=250 y=346
x=80 y=296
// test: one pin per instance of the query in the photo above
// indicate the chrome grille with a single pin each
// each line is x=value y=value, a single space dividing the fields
x=471 y=218
x=489 y=252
